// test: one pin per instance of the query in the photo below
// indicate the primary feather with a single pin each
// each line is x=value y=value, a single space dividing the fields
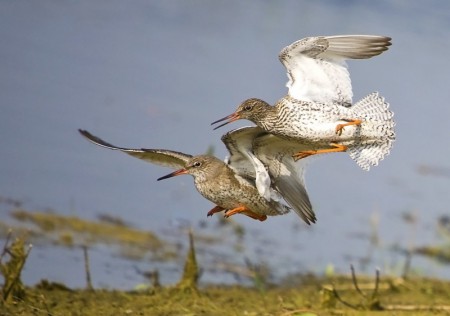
x=316 y=66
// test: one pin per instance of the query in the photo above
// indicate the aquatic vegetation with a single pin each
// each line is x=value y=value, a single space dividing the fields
x=13 y=287
x=72 y=231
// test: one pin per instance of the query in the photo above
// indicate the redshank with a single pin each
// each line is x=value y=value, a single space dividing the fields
x=213 y=179
x=318 y=107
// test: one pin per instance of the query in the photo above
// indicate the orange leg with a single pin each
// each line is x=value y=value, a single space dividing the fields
x=250 y=214
x=336 y=148
x=245 y=211
x=215 y=210
x=340 y=127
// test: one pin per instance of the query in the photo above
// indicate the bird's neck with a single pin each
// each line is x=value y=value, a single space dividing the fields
x=211 y=174
x=267 y=119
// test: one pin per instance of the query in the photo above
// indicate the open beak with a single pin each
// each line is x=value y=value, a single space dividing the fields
x=173 y=174
x=231 y=118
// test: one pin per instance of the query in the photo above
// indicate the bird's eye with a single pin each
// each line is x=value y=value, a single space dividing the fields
x=248 y=108
x=197 y=164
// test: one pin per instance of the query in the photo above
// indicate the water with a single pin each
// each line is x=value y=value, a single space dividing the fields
x=155 y=74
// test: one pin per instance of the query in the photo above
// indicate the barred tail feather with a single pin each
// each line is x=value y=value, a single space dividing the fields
x=369 y=154
x=377 y=133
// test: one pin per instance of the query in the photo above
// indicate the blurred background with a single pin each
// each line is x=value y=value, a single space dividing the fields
x=155 y=74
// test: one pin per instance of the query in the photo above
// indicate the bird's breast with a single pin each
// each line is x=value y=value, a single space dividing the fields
x=306 y=121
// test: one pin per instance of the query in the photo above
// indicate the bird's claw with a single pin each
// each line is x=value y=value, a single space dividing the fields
x=215 y=210
x=339 y=129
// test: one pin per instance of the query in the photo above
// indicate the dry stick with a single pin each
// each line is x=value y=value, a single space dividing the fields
x=342 y=301
x=154 y=278
x=386 y=307
x=355 y=283
x=389 y=307
x=377 y=282
x=86 y=267
x=407 y=266
x=5 y=246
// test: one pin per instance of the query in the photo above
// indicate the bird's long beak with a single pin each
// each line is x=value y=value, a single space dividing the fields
x=231 y=118
x=173 y=174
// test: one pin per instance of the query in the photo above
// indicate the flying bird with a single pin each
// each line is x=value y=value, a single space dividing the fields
x=217 y=181
x=318 y=108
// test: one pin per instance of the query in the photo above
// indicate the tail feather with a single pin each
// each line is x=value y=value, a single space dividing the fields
x=369 y=154
x=376 y=133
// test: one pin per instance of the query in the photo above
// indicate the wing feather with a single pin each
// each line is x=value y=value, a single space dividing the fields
x=271 y=157
x=287 y=175
x=239 y=143
x=316 y=66
x=162 y=157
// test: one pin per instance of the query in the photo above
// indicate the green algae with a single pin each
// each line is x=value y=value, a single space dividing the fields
x=439 y=253
x=67 y=227
x=48 y=227
x=72 y=231
x=414 y=297
x=307 y=295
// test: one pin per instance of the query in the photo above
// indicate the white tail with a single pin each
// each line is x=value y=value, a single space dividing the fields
x=377 y=133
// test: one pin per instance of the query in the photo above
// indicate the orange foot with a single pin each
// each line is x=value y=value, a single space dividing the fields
x=215 y=210
x=340 y=127
x=336 y=148
x=245 y=211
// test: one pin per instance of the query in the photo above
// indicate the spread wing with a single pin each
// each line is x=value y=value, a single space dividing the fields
x=287 y=175
x=268 y=159
x=316 y=66
x=162 y=157
x=239 y=143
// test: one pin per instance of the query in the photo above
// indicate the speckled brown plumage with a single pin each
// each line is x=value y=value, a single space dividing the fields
x=213 y=179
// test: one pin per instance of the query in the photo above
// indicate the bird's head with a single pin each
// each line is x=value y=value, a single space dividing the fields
x=251 y=109
x=201 y=167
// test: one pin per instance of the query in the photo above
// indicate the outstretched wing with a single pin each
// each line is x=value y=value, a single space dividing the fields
x=316 y=66
x=239 y=143
x=162 y=157
x=287 y=175
x=268 y=159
